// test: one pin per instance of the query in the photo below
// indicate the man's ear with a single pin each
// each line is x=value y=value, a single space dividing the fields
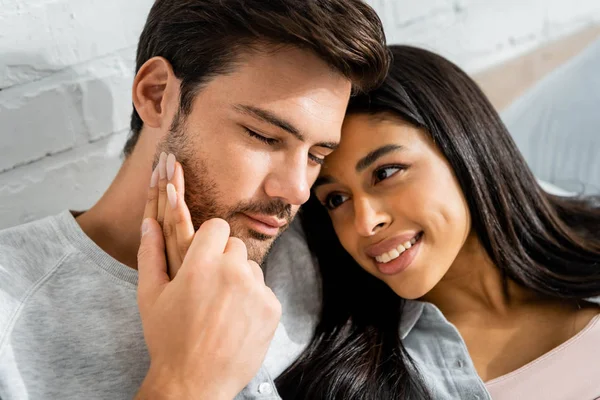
x=155 y=87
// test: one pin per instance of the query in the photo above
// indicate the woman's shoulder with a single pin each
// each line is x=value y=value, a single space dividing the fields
x=568 y=371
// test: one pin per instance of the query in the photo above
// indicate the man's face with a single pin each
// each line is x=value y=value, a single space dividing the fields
x=253 y=142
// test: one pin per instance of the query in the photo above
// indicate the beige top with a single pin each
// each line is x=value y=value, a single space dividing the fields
x=569 y=372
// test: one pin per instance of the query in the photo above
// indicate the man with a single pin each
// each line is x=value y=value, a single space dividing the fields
x=249 y=96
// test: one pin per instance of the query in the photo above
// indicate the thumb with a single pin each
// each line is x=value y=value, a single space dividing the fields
x=152 y=264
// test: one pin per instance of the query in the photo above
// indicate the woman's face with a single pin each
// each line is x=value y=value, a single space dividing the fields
x=395 y=203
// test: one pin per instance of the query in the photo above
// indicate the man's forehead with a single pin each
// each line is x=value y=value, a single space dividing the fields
x=293 y=88
x=288 y=72
x=306 y=103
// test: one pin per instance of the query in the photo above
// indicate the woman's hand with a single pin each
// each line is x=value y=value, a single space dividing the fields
x=208 y=318
x=166 y=204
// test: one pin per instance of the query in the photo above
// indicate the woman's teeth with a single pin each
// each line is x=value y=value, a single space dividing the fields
x=397 y=252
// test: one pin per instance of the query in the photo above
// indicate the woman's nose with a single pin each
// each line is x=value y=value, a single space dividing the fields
x=368 y=217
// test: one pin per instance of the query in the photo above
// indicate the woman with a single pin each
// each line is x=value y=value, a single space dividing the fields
x=427 y=218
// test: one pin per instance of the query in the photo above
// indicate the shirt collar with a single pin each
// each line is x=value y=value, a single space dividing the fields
x=411 y=312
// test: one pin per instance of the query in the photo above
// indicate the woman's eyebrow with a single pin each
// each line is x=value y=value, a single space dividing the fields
x=323 y=180
x=373 y=156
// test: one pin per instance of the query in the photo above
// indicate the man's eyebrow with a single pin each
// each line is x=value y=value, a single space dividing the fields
x=323 y=180
x=270 y=118
x=373 y=156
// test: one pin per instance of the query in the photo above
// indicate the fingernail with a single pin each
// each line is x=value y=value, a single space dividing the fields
x=162 y=167
x=154 y=178
x=170 y=166
x=145 y=226
x=172 y=195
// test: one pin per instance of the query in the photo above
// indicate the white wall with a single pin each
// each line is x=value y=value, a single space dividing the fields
x=66 y=67
x=477 y=34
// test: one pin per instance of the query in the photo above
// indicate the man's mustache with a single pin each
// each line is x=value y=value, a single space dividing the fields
x=276 y=208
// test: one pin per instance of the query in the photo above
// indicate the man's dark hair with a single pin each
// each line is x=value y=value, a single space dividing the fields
x=203 y=38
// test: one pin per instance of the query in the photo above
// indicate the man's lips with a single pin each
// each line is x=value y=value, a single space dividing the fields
x=264 y=224
x=268 y=220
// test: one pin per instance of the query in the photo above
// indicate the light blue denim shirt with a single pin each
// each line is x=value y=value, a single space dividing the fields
x=440 y=354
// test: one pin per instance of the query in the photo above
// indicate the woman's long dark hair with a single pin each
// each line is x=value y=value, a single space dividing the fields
x=546 y=243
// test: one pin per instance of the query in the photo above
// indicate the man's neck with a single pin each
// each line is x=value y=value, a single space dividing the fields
x=113 y=223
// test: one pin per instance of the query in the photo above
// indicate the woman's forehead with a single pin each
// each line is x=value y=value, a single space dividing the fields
x=364 y=133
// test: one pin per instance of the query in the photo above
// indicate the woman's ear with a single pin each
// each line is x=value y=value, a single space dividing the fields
x=155 y=89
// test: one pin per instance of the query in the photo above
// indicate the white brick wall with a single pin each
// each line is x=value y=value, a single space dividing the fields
x=477 y=34
x=66 y=68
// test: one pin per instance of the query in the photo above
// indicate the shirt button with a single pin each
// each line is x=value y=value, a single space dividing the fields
x=459 y=363
x=265 y=388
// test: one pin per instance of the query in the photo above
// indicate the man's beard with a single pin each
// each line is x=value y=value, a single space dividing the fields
x=203 y=198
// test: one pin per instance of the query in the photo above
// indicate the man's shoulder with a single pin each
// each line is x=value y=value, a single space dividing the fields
x=290 y=261
x=292 y=272
x=27 y=253
x=31 y=248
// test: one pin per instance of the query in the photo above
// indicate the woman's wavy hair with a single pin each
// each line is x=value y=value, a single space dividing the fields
x=547 y=243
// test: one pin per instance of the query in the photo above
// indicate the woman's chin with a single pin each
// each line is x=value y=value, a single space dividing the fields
x=410 y=288
x=412 y=295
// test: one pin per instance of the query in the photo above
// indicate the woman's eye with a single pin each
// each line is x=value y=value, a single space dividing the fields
x=335 y=200
x=263 y=139
x=386 y=172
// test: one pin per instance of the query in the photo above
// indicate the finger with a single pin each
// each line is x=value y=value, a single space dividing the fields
x=236 y=248
x=178 y=222
x=174 y=259
x=162 y=187
x=274 y=302
x=181 y=214
x=152 y=266
x=257 y=271
x=151 y=208
x=209 y=241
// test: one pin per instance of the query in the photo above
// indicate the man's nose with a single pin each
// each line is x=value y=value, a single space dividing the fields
x=289 y=182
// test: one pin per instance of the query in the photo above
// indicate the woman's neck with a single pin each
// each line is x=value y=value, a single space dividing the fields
x=474 y=284
x=504 y=325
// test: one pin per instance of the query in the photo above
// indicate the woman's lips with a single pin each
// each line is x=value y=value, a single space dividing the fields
x=402 y=262
x=387 y=245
